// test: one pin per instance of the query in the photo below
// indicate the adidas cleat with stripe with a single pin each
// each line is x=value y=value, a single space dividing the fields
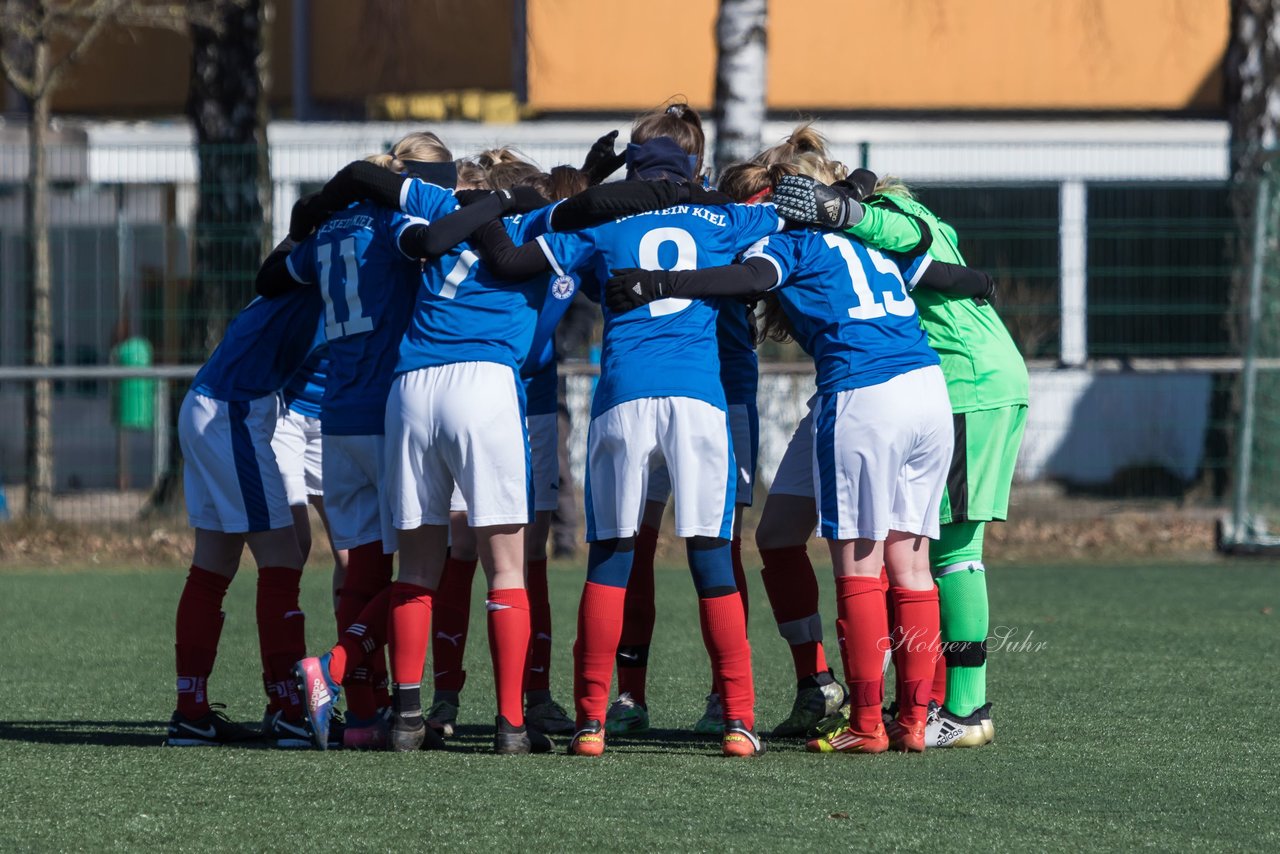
x=319 y=696
x=846 y=739
x=951 y=730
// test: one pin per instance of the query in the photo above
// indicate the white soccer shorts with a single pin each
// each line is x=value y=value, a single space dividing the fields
x=460 y=422
x=881 y=456
x=544 y=465
x=625 y=443
x=744 y=426
x=354 y=500
x=230 y=477
x=297 y=444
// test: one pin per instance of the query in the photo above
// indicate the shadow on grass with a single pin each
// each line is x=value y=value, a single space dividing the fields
x=104 y=733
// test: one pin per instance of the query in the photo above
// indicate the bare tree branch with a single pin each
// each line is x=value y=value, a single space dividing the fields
x=22 y=82
x=104 y=11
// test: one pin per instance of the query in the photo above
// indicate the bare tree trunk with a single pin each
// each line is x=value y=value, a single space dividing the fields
x=1252 y=71
x=224 y=105
x=39 y=400
x=740 y=80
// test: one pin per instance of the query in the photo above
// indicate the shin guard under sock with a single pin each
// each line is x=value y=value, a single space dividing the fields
x=792 y=589
x=508 y=619
x=862 y=625
x=599 y=628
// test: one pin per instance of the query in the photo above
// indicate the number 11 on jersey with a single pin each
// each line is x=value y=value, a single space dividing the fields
x=347 y=290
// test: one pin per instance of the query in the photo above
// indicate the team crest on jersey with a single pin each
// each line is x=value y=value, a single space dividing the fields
x=563 y=287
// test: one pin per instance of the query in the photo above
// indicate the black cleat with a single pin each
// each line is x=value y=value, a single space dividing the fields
x=511 y=740
x=407 y=734
x=211 y=730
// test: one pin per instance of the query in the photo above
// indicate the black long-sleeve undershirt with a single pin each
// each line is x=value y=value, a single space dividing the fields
x=274 y=278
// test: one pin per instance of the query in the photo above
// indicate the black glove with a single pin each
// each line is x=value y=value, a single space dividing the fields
x=989 y=295
x=700 y=195
x=521 y=200
x=860 y=183
x=631 y=288
x=802 y=199
x=470 y=197
x=601 y=160
x=309 y=212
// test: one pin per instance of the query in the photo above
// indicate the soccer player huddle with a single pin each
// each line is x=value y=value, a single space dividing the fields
x=398 y=372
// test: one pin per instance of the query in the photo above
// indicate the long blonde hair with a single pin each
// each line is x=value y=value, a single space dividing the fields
x=805 y=150
x=890 y=185
x=421 y=145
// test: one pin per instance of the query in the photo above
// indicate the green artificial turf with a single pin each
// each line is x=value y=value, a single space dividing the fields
x=1141 y=720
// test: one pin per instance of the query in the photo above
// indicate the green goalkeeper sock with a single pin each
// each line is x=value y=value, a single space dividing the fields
x=962 y=595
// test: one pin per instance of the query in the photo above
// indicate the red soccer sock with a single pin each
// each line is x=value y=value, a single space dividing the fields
x=916 y=625
x=638 y=617
x=792 y=588
x=409 y=630
x=360 y=640
x=863 y=628
x=282 y=635
x=599 y=628
x=938 y=691
x=453 y=618
x=197 y=630
x=508 y=612
x=724 y=631
x=538 y=675
x=367 y=575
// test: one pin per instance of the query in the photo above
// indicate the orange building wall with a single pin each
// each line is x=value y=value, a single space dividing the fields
x=892 y=54
x=588 y=55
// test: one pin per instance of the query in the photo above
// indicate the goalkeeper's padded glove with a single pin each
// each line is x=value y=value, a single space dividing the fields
x=631 y=288
x=802 y=199
x=860 y=183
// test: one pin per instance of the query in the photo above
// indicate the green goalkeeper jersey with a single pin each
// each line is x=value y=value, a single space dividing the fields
x=983 y=367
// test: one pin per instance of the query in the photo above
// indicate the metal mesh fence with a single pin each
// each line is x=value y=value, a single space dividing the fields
x=1115 y=265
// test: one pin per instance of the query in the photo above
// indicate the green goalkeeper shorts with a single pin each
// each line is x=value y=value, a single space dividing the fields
x=982 y=464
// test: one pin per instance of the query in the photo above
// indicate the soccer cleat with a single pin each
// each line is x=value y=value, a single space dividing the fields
x=988 y=728
x=712 y=720
x=511 y=740
x=951 y=730
x=811 y=707
x=626 y=716
x=443 y=717
x=846 y=739
x=739 y=740
x=588 y=741
x=909 y=738
x=284 y=734
x=371 y=734
x=210 y=730
x=548 y=717
x=408 y=733
x=319 y=694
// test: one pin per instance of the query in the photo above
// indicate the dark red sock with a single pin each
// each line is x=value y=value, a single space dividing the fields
x=409 y=629
x=599 y=628
x=377 y=659
x=282 y=635
x=724 y=631
x=863 y=628
x=916 y=626
x=895 y=651
x=508 y=612
x=538 y=676
x=359 y=642
x=197 y=630
x=453 y=617
x=792 y=588
x=740 y=575
x=638 y=616
x=367 y=575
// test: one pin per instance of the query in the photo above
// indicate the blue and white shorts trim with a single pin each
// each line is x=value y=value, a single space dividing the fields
x=881 y=456
x=744 y=425
x=231 y=479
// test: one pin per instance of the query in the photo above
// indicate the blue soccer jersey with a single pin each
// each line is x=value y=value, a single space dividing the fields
x=263 y=347
x=304 y=392
x=368 y=287
x=538 y=373
x=739 y=365
x=667 y=348
x=464 y=313
x=849 y=305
